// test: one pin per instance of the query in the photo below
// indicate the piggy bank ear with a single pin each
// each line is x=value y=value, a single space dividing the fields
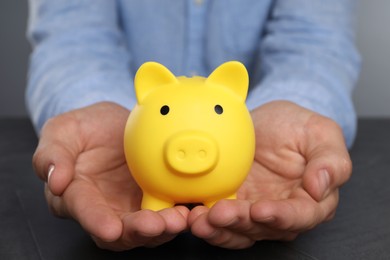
x=150 y=76
x=233 y=75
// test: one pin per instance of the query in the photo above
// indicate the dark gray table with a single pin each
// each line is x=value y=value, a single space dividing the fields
x=360 y=230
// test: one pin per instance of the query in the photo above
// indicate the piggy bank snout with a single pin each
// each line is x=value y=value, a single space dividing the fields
x=191 y=152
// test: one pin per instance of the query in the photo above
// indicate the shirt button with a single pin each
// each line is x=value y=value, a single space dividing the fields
x=193 y=73
x=199 y=2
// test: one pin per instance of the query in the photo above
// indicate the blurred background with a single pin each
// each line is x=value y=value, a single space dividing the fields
x=372 y=96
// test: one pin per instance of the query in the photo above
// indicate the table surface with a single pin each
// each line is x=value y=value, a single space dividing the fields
x=360 y=230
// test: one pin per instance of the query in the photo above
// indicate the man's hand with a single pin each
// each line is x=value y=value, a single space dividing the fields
x=80 y=157
x=301 y=160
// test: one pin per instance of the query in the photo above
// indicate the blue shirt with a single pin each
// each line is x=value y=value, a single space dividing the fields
x=86 y=51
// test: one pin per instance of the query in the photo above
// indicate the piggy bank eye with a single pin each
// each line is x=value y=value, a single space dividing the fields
x=164 y=110
x=218 y=109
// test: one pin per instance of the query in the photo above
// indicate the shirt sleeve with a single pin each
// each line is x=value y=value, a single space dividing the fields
x=308 y=56
x=79 y=57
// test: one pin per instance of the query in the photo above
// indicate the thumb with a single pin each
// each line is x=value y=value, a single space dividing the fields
x=328 y=162
x=325 y=172
x=54 y=159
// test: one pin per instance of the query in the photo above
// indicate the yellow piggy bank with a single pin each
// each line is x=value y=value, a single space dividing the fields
x=189 y=140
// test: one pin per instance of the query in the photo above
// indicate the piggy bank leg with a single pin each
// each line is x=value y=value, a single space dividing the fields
x=153 y=203
x=211 y=203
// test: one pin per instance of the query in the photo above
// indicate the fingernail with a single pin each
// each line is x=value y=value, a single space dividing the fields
x=50 y=172
x=324 y=181
x=268 y=220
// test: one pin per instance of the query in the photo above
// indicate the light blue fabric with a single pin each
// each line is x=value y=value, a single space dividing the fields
x=86 y=51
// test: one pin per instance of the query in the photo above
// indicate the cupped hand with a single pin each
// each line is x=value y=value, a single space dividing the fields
x=80 y=157
x=300 y=162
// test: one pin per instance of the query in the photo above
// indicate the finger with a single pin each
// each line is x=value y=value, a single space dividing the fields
x=195 y=213
x=221 y=237
x=296 y=214
x=139 y=228
x=233 y=214
x=327 y=169
x=328 y=162
x=206 y=225
x=236 y=227
x=55 y=203
x=226 y=238
x=148 y=228
x=55 y=158
x=175 y=219
x=175 y=223
x=58 y=170
x=199 y=224
x=85 y=204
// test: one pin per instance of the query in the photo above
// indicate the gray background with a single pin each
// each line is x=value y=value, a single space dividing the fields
x=372 y=96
